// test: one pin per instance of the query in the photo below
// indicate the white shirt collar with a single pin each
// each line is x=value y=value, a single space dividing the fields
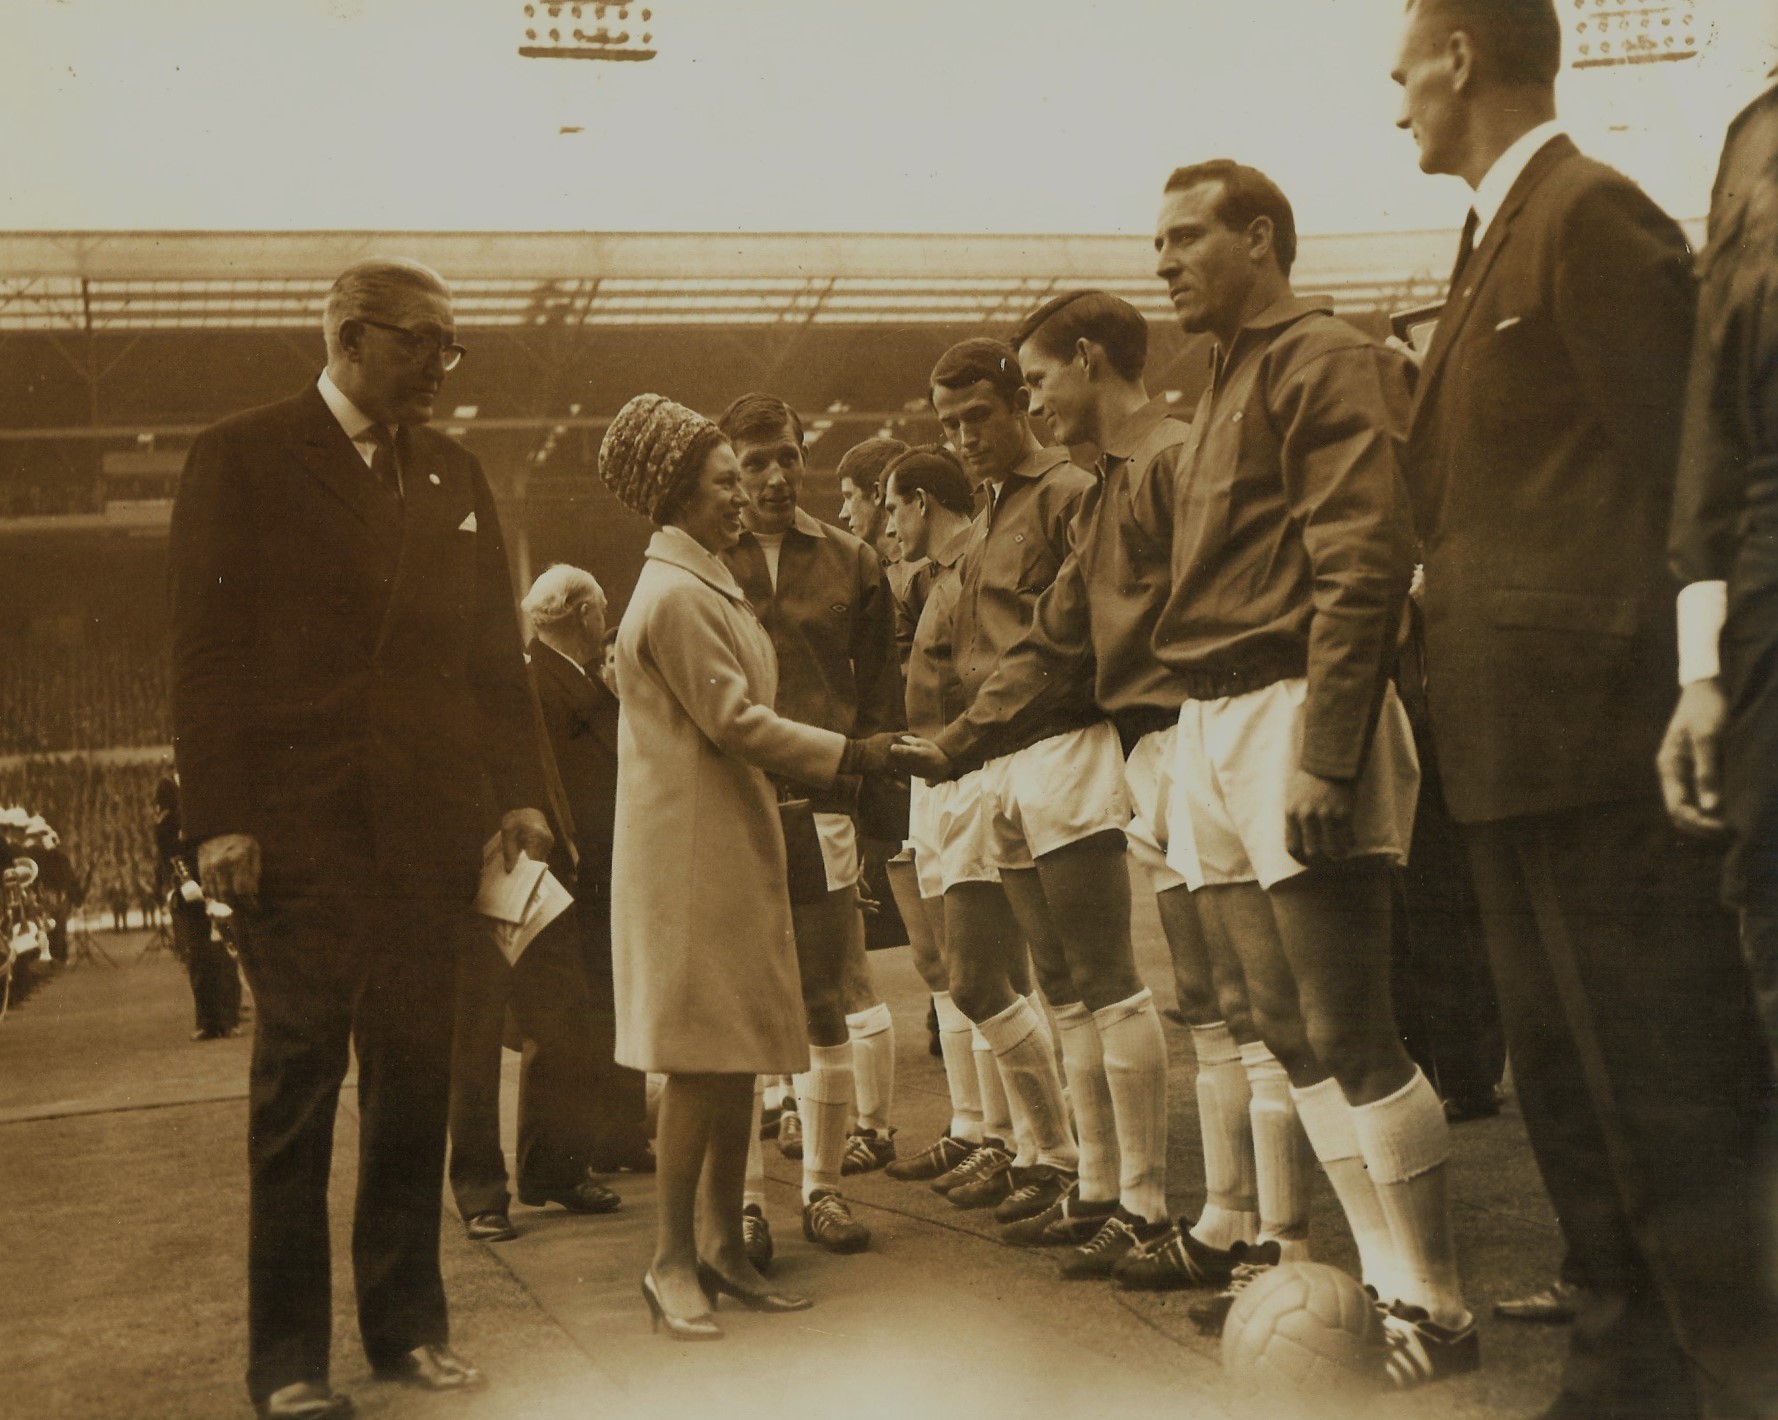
x=352 y=419
x=1491 y=191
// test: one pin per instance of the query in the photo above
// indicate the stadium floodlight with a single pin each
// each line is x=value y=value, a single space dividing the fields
x=588 y=31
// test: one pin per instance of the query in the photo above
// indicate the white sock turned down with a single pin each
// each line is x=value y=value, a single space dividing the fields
x=1135 y=1053
x=872 y=1035
x=1231 y=1205
x=824 y=1098
x=1406 y=1143
x=1083 y=1062
x=1333 y=1133
x=955 y=1035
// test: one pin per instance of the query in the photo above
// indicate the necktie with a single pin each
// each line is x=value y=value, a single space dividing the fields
x=382 y=463
x=1465 y=246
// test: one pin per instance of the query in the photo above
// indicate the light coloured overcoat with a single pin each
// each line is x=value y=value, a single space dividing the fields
x=703 y=957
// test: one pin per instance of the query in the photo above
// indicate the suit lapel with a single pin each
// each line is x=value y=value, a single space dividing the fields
x=323 y=448
x=1460 y=302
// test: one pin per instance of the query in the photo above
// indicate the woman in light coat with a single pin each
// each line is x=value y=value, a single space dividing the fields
x=704 y=961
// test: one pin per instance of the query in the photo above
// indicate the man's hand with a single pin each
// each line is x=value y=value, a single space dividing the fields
x=1318 y=817
x=228 y=869
x=1690 y=760
x=525 y=831
x=921 y=757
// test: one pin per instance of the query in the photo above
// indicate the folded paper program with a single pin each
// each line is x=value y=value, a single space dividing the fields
x=518 y=904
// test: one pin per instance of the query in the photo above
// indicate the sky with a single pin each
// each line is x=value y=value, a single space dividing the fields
x=1024 y=116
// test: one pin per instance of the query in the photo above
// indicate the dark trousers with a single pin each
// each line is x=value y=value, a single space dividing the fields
x=328 y=974
x=548 y=995
x=620 y=1094
x=1643 y=1082
x=215 y=984
x=1444 y=997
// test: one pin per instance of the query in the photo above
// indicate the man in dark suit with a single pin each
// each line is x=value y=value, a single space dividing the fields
x=566 y=608
x=351 y=721
x=567 y=1127
x=1541 y=458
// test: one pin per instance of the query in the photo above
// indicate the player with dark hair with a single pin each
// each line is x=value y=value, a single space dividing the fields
x=1082 y=355
x=1050 y=816
x=1291 y=558
x=929 y=503
x=821 y=595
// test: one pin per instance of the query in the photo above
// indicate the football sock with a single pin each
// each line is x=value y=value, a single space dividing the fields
x=1284 y=1164
x=1027 y=1061
x=954 y=1042
x=1136 y=1069
x=1406 y=1142
x=824 y=1096
x=1333 y=1133
x=1231 y=1202
x=996 y=1109
x=1095 y=1120
x=872 y=1034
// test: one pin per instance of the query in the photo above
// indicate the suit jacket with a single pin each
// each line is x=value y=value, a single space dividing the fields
x=1540 y=456
x=348 y=681
x=580 y=715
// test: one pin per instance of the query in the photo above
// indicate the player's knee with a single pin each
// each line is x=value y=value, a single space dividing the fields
x=1343 y=1052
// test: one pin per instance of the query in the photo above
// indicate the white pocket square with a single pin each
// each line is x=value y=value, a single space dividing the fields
x=1509 y=323
x=468 y=524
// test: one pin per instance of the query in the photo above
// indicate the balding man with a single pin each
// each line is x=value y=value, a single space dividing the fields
x=566 y=608
x=351 y=721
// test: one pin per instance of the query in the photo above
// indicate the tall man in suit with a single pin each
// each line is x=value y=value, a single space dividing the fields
x=1541 y=458
x=351 y=720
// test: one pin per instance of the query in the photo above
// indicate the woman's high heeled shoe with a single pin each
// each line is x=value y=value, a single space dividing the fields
x=715 y=1285
x=679 y=1328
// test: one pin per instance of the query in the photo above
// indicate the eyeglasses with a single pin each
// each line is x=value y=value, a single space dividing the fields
x=420 y=346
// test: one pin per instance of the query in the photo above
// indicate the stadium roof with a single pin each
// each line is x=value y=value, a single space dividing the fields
x=121 y=282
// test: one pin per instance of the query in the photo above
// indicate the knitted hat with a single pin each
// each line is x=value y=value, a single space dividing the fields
x=643 y=456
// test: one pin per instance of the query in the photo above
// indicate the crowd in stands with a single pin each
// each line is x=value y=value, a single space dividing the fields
x=56 y=697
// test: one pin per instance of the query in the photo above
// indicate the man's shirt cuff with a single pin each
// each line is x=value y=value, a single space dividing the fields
x=1702 y=608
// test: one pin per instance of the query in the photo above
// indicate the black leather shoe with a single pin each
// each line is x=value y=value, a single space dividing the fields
x=433 y=1367
x=587 y=1196
x=1552 y=1305
x=492 y=1226
x=306 y=1400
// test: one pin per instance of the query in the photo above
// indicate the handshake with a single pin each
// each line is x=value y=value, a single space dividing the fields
x=895 y=755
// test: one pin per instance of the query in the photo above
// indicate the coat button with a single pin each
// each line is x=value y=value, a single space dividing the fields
x=1235 y=418
x=432 y=478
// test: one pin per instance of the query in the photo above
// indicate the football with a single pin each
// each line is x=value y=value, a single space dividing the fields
x=1304 y=1326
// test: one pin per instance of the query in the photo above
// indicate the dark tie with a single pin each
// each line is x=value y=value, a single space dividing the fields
x=1465 y=246
x=383 y=463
